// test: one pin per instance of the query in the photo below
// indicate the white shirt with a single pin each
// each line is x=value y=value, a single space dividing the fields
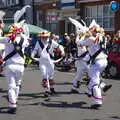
x=38 y=48
x=9 y=47
x=44 y=55
x=93 y=47
x=82 y=48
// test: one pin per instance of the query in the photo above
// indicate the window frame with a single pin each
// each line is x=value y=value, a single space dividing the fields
x=110 y=15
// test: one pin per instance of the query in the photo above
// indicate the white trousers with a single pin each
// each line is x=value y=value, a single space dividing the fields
x=94 y=84
x=47 y=70
x=14 y=74
x=81 y=68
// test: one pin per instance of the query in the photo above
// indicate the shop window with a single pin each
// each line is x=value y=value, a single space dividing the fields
x=94 y=11
x=99 y=11
x=12 y=2
x=8 y=2
x=70 y=28
x=102 y=14
x=54 y=27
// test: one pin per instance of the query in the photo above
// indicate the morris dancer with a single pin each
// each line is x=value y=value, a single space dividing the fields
x=81 y=63
x=100 y=39
x=15 y=43
x=2 y=46
x=83 y=57
x=98 y=64
x=45 y=47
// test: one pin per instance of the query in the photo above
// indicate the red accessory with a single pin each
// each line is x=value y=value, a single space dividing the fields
x=97 y=39
x=58 y=51
x=43 y=33
x=1 y=60
x=93 y=28
x=17 y=30
x=12 y=36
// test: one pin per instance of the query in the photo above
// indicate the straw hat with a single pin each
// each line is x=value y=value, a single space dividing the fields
x=44 y=34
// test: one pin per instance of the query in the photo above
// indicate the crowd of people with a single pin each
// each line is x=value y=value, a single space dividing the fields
x=88 y=47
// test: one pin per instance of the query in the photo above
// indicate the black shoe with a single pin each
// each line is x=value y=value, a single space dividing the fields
x=78 y=84
x=1 y=75
x=52 y=91
x=12 y=110
x=47 y=94
x=96 y=106
x=20 y=87
x=89 y=95
x=75 y=91
x=106 y=88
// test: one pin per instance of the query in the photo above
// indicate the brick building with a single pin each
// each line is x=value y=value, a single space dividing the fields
x=100 y=11
x=53 y=14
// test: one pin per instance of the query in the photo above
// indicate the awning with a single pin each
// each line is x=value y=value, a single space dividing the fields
x=32 y=28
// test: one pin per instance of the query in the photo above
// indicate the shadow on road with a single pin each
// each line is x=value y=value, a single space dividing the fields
x=115 y=117
x=30 y=95
x=93 y=119
x=63 y=83
x=2 y=90
x=56 y=104
x=4 y=110
x=69 y=83
x=27 y=96
x=58 y=93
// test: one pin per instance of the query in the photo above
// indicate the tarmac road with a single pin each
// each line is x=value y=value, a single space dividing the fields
x=64 y=106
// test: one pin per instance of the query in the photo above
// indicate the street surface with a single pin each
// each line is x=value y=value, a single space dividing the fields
x=64 y=106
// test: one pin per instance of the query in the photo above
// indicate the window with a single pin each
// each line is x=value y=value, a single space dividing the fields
x=8 y=2
x=39 y=17
x=51 y=21
x=102 y=14
x=52 y=26
x=17 y=1
x=2 y=4
x=12 y=2
x=94 y=11
x=70 y=28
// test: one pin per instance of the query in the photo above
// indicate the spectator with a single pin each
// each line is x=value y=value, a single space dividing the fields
x=34 y=40
x=62 y=40
x=73 y=46
x=109 y=42
x=117 y=36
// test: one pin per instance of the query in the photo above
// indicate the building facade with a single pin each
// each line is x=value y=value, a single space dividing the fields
x=53 y=14
x=100 y=11
x=11 y=6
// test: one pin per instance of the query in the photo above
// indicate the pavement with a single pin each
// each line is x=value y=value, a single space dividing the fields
x=64 y=106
